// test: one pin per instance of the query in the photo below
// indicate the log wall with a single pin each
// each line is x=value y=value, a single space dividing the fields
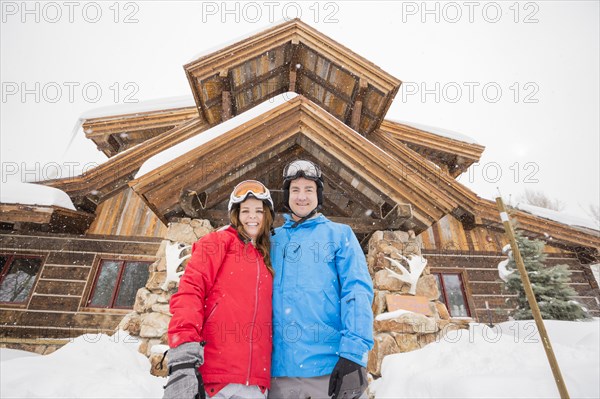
x=56 y=307
x=125 y=214
x=475 y=253
x=448 y=234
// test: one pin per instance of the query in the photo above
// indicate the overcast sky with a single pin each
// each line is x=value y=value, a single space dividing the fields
x=522 y=78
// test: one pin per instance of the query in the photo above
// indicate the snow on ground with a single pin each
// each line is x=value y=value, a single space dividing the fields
x=10 y=354
x=91 y=366
x=506 y=361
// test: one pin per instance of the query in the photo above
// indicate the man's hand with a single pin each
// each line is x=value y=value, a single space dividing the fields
x=348 y=380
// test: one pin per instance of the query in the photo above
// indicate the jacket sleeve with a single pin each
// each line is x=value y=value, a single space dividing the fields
x=187 y=304
x=356 y=296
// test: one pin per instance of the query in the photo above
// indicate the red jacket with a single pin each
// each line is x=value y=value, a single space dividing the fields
x=224 y=298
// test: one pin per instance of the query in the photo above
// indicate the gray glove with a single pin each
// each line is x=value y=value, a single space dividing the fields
x=185 y=381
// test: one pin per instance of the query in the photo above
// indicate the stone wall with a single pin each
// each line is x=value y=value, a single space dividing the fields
x=405 y=332
x=150 y=318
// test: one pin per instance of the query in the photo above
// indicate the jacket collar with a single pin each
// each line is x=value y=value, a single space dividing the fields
x=317 y=219
x=230 y=229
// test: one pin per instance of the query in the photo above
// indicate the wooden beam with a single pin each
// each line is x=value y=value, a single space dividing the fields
x=293 y=67
x=226 y=112
x=226 y=106
x=46 y=218
x=395 y=219
x=292 y=86
x=358 y=103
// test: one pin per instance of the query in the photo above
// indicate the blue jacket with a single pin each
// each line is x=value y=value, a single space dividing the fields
x=322 y=295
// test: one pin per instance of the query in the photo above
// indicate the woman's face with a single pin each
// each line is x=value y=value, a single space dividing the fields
x=251 y=216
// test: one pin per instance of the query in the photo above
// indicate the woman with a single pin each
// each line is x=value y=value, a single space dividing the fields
x=220 y=332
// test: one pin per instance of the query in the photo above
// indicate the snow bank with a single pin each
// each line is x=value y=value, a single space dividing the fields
x=178 y=150
x=506 y=361
x=92 y=366
x=33 y=194
x=10 y=354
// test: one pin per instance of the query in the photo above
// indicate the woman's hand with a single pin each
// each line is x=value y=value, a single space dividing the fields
x=185 y=381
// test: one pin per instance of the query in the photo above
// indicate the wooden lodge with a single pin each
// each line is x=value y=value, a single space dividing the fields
x=80 y=268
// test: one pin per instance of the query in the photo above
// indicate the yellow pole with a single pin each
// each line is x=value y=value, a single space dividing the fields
x=560 y=383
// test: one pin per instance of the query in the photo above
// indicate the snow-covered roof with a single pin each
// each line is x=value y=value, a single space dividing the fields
x=560 y=217
x=158 y=104
x=34 y=194
x=178 y=150
x=439 y=131
x=224 y=44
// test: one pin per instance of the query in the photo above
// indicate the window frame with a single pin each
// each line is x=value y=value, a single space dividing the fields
x=122 y=266
x=4 y=272
x=464 y=289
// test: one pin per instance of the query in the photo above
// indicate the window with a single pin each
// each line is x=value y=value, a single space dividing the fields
x=17 y=277
x=452 y=294
x=117 y=283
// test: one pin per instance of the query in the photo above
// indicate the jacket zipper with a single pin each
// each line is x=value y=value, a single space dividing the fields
x=211 y=312
x=253 y=319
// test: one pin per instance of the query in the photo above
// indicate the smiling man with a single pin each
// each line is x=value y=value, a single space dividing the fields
x=322 y=294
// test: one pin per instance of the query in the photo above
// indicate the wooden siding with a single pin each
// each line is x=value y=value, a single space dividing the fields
x=475 y=253
x=125 y=214
x=449 y=235
x=56 y=308
x=480 y=275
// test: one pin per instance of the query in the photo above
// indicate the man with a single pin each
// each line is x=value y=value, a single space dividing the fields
x=322 y=295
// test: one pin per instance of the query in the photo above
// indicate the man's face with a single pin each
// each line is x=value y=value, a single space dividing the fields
x=303 y=197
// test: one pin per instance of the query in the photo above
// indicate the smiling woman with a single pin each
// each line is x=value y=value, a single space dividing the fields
x=226 y=284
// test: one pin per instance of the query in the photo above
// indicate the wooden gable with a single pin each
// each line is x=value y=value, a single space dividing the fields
x=292 y=57
x=116 y=133
x=453 y=155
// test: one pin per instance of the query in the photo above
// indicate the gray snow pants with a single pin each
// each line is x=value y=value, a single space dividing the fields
x=239 y=391
x=307 y=388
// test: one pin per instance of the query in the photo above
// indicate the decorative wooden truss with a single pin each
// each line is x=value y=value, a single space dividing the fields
x=292 y=57
x=452 y=155
x=113 y=134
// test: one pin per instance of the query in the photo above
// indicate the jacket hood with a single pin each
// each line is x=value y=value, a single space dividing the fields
x=289 y=222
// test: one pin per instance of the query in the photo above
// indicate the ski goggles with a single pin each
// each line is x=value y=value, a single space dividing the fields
x=301 y=168
x=249 y=187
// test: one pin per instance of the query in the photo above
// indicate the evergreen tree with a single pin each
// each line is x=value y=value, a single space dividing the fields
x=550 y=285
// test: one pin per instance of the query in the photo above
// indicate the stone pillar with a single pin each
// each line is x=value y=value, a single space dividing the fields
x=150 y=317
x=408 y=331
